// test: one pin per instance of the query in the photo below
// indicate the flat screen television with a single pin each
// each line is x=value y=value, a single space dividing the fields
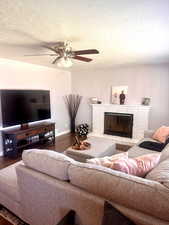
x=20 y=107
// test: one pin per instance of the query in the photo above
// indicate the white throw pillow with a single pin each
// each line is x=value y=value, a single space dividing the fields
x=107 y=161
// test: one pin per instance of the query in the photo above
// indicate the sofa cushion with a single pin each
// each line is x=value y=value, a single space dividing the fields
x=160 y=173
x=138 y=166
x=161 y=134
x=49 y=162
x=136 y=151
x=8 y=182
x=130 y=191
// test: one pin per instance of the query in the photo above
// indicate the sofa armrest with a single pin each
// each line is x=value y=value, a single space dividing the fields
x=148 y=133
x=165 y=153
x=52 y=199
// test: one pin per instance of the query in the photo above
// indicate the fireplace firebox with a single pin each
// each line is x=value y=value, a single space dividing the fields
x=118 y=124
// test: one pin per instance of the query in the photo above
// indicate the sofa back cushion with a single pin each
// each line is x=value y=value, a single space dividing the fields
x=49 y=162
x=130 y=191
x=160 y=173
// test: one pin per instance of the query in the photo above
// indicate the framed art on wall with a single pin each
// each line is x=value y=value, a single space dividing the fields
x=118 y=94
x=146 y=101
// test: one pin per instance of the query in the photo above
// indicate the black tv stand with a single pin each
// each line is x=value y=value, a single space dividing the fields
x=17 y=140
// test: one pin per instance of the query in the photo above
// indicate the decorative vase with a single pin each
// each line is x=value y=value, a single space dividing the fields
x=72 y=102
x=72 y=125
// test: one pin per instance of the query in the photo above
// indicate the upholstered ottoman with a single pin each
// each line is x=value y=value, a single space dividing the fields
x=100 y=147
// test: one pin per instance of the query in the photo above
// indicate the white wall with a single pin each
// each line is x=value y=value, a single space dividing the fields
x=143 y=81
x=18 y=75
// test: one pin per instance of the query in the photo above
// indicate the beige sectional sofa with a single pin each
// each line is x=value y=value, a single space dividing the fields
x=43 y=187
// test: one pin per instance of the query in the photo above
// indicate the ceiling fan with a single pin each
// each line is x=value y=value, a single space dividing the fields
x=64 y=53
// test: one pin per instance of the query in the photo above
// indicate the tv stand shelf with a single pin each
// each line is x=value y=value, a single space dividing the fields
x=16 y=140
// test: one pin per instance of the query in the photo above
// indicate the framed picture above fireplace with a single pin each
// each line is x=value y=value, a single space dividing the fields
x=116 y=92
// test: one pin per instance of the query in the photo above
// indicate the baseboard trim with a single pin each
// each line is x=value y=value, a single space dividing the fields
x=62 y=133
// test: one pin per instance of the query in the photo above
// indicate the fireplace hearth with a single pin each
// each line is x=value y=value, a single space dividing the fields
x=118 y=124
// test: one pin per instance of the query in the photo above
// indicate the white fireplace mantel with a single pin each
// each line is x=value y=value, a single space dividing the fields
x=140 y=119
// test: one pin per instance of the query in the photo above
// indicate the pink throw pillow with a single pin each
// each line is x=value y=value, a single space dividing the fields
x=139 y=166
x=161 y=134
x=107 y=160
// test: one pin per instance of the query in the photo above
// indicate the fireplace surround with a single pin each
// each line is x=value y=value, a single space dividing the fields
x=140 y=120
x=119 y=124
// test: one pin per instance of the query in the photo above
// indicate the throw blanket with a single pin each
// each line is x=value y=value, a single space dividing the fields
x=155 y=146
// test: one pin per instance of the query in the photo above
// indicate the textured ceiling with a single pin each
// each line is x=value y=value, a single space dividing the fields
x=124 y=31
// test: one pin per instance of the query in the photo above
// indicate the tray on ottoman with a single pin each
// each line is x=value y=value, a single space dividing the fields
x=100 y=147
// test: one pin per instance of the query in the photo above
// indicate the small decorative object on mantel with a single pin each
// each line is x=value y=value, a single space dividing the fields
x=99 y=102
x=122 y=98
x=72 y=102
x=80 y=145
x=146 y=101
x=95 y=100
x=118 y=94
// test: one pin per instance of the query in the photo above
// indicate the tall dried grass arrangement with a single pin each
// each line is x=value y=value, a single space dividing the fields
x=72 y=102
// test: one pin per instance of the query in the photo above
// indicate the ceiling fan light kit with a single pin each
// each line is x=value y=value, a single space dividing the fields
x=64 y=54
x=64 y=63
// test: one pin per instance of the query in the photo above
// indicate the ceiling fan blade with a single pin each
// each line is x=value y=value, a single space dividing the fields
x=84 y=52
x=42 y=55
x=54 y=43
x=84 y=59
x=56 y=59
x=50 y=48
